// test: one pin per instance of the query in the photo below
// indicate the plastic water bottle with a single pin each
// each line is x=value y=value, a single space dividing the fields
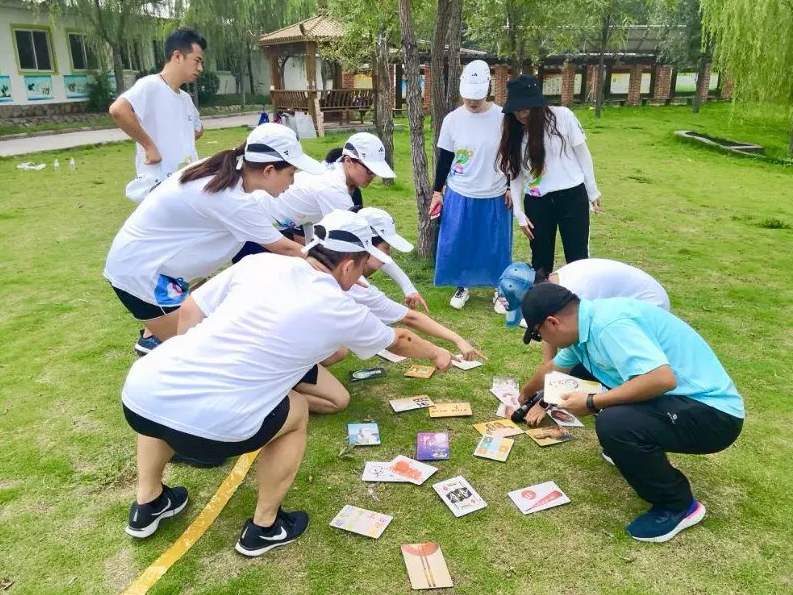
x=56 y=165
x=72 y=165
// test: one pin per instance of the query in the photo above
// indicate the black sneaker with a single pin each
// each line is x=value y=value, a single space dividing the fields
x=145 y=518
x=255 y=540
x=206 y=463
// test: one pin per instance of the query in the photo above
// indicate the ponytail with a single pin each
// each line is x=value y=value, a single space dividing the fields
x=221 y=166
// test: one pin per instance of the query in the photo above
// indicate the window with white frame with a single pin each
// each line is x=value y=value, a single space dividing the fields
x=34 y=49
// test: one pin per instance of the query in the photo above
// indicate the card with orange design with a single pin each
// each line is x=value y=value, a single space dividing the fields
x=426 y=566
x=410 y=470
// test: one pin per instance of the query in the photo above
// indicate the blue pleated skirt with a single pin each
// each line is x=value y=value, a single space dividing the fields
x=474 y=241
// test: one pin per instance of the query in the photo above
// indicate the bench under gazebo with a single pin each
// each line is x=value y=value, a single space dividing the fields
x=323 y=105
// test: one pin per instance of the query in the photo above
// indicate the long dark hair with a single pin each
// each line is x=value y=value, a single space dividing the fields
x=222 y=166
x=509 y=159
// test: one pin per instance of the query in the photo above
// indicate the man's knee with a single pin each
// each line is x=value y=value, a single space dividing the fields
x=613 y=424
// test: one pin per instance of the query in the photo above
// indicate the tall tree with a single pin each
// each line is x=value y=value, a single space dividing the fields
x=753 y=41
x=683 y=45
x=445 y=64
x=418 y=152
x=120 y=25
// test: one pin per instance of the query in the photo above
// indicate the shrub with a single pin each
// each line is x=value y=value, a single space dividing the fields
x=208 y=85
x=100 y=91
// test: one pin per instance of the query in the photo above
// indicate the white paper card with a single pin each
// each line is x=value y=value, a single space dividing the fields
x=391 y=357
x=379 y=471
x=459 y=496
x=361 y=521
x=538 y=497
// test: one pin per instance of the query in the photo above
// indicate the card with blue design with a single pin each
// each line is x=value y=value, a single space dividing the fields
x=367 y=434
x=432 y=446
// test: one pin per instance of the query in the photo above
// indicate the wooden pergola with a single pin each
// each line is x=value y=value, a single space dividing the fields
x=304 y=38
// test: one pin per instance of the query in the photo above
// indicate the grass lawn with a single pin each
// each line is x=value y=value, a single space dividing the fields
x=696 y=220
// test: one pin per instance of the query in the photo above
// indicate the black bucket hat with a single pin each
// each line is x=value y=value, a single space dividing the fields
x=522 y=93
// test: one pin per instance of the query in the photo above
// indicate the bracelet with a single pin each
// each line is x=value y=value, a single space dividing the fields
x=590 y=403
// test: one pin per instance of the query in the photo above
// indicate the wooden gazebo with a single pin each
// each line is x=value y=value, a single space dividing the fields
x=303 y=38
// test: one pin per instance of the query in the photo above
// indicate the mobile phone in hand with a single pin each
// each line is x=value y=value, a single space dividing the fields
x=436 y=212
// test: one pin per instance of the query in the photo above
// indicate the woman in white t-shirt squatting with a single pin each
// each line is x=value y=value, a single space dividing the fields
x=323 y=391
x=311 y=197
x=194 y=222
x=543 y=151
x=160 y=117
x=225 y=386
x=589 y=279
x=475 y=235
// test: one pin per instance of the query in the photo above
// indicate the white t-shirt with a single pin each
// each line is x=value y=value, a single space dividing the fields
x=170 y=119
x=474 y=140
x=180 y=233
x=594 y=278
x=269 y=319
x=562 y=169
x=310 y=198
x=382 y=306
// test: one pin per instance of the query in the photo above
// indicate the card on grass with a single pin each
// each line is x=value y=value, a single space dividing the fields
x=499 y=427
x=563 y=418
x=432 y=446
x=494 y=447
x=361 y=521
x=367 y=434
x=426 y=566
x=411 y=470
x=451 y=410
x=558 y=384
x=546 y=435
x=380 y=471
x=506 y=390
x=417 y=371
x=459 y=496
x=465 y=364
x=409 y=403
x=504 y=411
x=538 y=497
x=391 y=357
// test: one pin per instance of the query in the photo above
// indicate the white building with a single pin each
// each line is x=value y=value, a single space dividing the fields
x=44 y=61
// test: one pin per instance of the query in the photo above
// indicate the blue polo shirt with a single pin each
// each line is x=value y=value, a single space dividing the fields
x=619 y=338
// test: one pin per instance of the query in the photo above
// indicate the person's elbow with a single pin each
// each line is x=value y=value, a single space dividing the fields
x=665 y=379
x=117 y=109
x=199 y=133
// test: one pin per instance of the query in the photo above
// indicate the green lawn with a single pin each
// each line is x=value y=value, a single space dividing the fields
x=696 y=220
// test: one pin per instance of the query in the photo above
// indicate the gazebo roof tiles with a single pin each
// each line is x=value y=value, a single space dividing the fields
x=319 y=28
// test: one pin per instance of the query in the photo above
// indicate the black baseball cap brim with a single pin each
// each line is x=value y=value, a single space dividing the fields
x=542 y=301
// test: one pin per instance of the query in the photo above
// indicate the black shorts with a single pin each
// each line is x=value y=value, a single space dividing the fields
x=311 y=376
x=142 y=310
x=196 y=447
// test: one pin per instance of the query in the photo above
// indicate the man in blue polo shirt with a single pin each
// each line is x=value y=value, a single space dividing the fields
x=667 y=393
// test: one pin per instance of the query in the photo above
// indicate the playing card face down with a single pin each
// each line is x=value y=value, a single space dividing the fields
x=426 y=566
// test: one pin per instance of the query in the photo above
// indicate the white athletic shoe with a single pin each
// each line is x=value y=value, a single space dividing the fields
x=523 y=323
x=499 y=304
x=459 y=298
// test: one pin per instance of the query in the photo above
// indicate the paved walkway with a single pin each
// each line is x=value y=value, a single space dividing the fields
x=68 y=140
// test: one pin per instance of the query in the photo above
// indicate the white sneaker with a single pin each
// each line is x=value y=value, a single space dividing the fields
x=523 y=323
x=499 y=304
x=607 y=458
x=459 y=298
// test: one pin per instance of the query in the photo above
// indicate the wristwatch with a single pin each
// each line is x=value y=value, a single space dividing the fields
x=590 y=403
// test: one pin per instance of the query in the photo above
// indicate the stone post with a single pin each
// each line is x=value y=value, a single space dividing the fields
x=635 y=86
x=663 y=82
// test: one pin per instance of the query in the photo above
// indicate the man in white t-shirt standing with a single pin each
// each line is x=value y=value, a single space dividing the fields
x=159 y=116
x=225 y=386
x=588 y=278
x=475 y=234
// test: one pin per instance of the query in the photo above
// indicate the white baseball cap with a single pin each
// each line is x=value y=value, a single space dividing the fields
x=475 y=80
x=268 y=143
x=369 y=150
x=383 y=226
x=345 y=231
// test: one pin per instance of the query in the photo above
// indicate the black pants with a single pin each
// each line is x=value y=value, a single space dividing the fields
x=569 y=211
x=638 y=436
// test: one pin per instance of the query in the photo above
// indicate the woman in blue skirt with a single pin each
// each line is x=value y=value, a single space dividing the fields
x=475 y=237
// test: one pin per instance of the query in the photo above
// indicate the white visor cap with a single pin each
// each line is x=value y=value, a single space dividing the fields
x=346 y=231
x=369 y=150
x=269 y=143
x=475 y=80
x=383 y=226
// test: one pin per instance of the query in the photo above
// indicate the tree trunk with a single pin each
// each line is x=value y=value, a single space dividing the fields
x=426 y=241
x=437 y=59
x=118 y=69
x=702 y=65
x=384 y=116
x=453 y=59
x=601 y=71
x=250 y=72
x=243 y=64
